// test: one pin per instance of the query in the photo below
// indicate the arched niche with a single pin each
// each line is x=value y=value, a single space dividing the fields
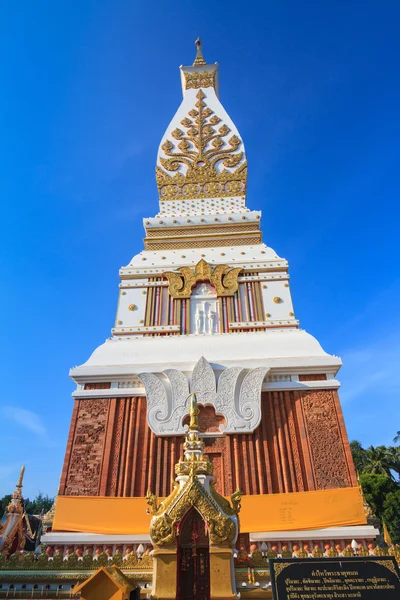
x=204 y=310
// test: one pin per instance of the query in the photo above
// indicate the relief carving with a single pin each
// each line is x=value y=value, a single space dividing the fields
x=326 y=445
x=237 y=398
x=203 y=382
x=117 y=448
x=295 y=450
x=87 y=448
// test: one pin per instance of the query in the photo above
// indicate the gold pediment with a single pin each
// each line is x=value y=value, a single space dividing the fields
x=222 y=277
x=222 y=527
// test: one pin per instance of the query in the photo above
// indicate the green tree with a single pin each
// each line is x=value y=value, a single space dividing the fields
x=359 y=456
x=376 y=487
x=376 y=466
x=41 y=504
x=4 y=502
x=382 y=460
x=397 y=438
x=391 y=515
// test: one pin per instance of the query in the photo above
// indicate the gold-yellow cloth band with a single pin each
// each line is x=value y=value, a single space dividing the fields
x=267 y=512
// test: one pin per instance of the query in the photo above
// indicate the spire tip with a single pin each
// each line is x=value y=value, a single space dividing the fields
x=193 y=413
x=199 y=60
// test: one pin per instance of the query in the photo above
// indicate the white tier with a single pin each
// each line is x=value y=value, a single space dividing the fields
x=273 y=349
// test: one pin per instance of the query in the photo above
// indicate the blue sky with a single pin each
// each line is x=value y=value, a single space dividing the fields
x=87 y=89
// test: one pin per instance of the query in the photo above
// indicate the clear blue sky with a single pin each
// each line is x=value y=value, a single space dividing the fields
x=87 y=89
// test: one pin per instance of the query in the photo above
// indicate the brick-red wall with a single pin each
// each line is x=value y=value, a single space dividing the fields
x=301 y=444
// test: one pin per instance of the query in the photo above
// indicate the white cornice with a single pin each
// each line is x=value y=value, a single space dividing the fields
x=358 y=532
x=116 y=392
x=60 y=537
x=230 y=218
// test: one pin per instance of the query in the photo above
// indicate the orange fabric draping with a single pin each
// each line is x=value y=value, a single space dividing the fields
x=267 y=512
x=302 y=510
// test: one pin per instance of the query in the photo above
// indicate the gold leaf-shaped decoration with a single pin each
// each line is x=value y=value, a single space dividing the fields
x=224 y=130
x=202 y=271
x=233 y=160
x=230 y=282
x=186 y=122
x=171 y=164
x=217 y=142
x=177 y=133
x=167 y=146
x=208 y=130
x=207 y=112
x=184 y=145
x=234 y=141
x=215 y=120
x=193 y=113
x=193 y=132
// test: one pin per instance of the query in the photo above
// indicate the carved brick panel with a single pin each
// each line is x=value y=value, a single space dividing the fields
x=102 y=385
x=312 y=377
x=215 y=448
x=87 y=448
x=116 y=448
x=326 y=443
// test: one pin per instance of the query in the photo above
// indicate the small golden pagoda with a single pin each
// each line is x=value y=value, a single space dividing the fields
x=12 y=536
x=194 y=530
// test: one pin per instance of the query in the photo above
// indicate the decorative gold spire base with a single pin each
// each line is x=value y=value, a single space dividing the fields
x=194 y=487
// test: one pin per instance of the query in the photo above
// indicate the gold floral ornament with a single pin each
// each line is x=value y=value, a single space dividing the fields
x=204 y=148
x=196 y=80
x=222 y=277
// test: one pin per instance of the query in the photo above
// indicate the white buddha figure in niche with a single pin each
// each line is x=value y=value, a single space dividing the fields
x=204 y=316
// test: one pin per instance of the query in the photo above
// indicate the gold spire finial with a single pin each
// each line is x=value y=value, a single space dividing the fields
x=199 y=60
x=21 y=477
x=194 y=413
x=16 y=498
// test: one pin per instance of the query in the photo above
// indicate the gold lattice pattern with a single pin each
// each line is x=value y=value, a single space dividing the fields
x=203 y=146
x=202 y=243
x=161 y=232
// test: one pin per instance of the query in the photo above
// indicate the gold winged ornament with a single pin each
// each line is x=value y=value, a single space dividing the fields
x=222 y=277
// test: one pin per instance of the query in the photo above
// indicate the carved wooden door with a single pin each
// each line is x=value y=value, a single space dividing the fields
x=193 y=575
